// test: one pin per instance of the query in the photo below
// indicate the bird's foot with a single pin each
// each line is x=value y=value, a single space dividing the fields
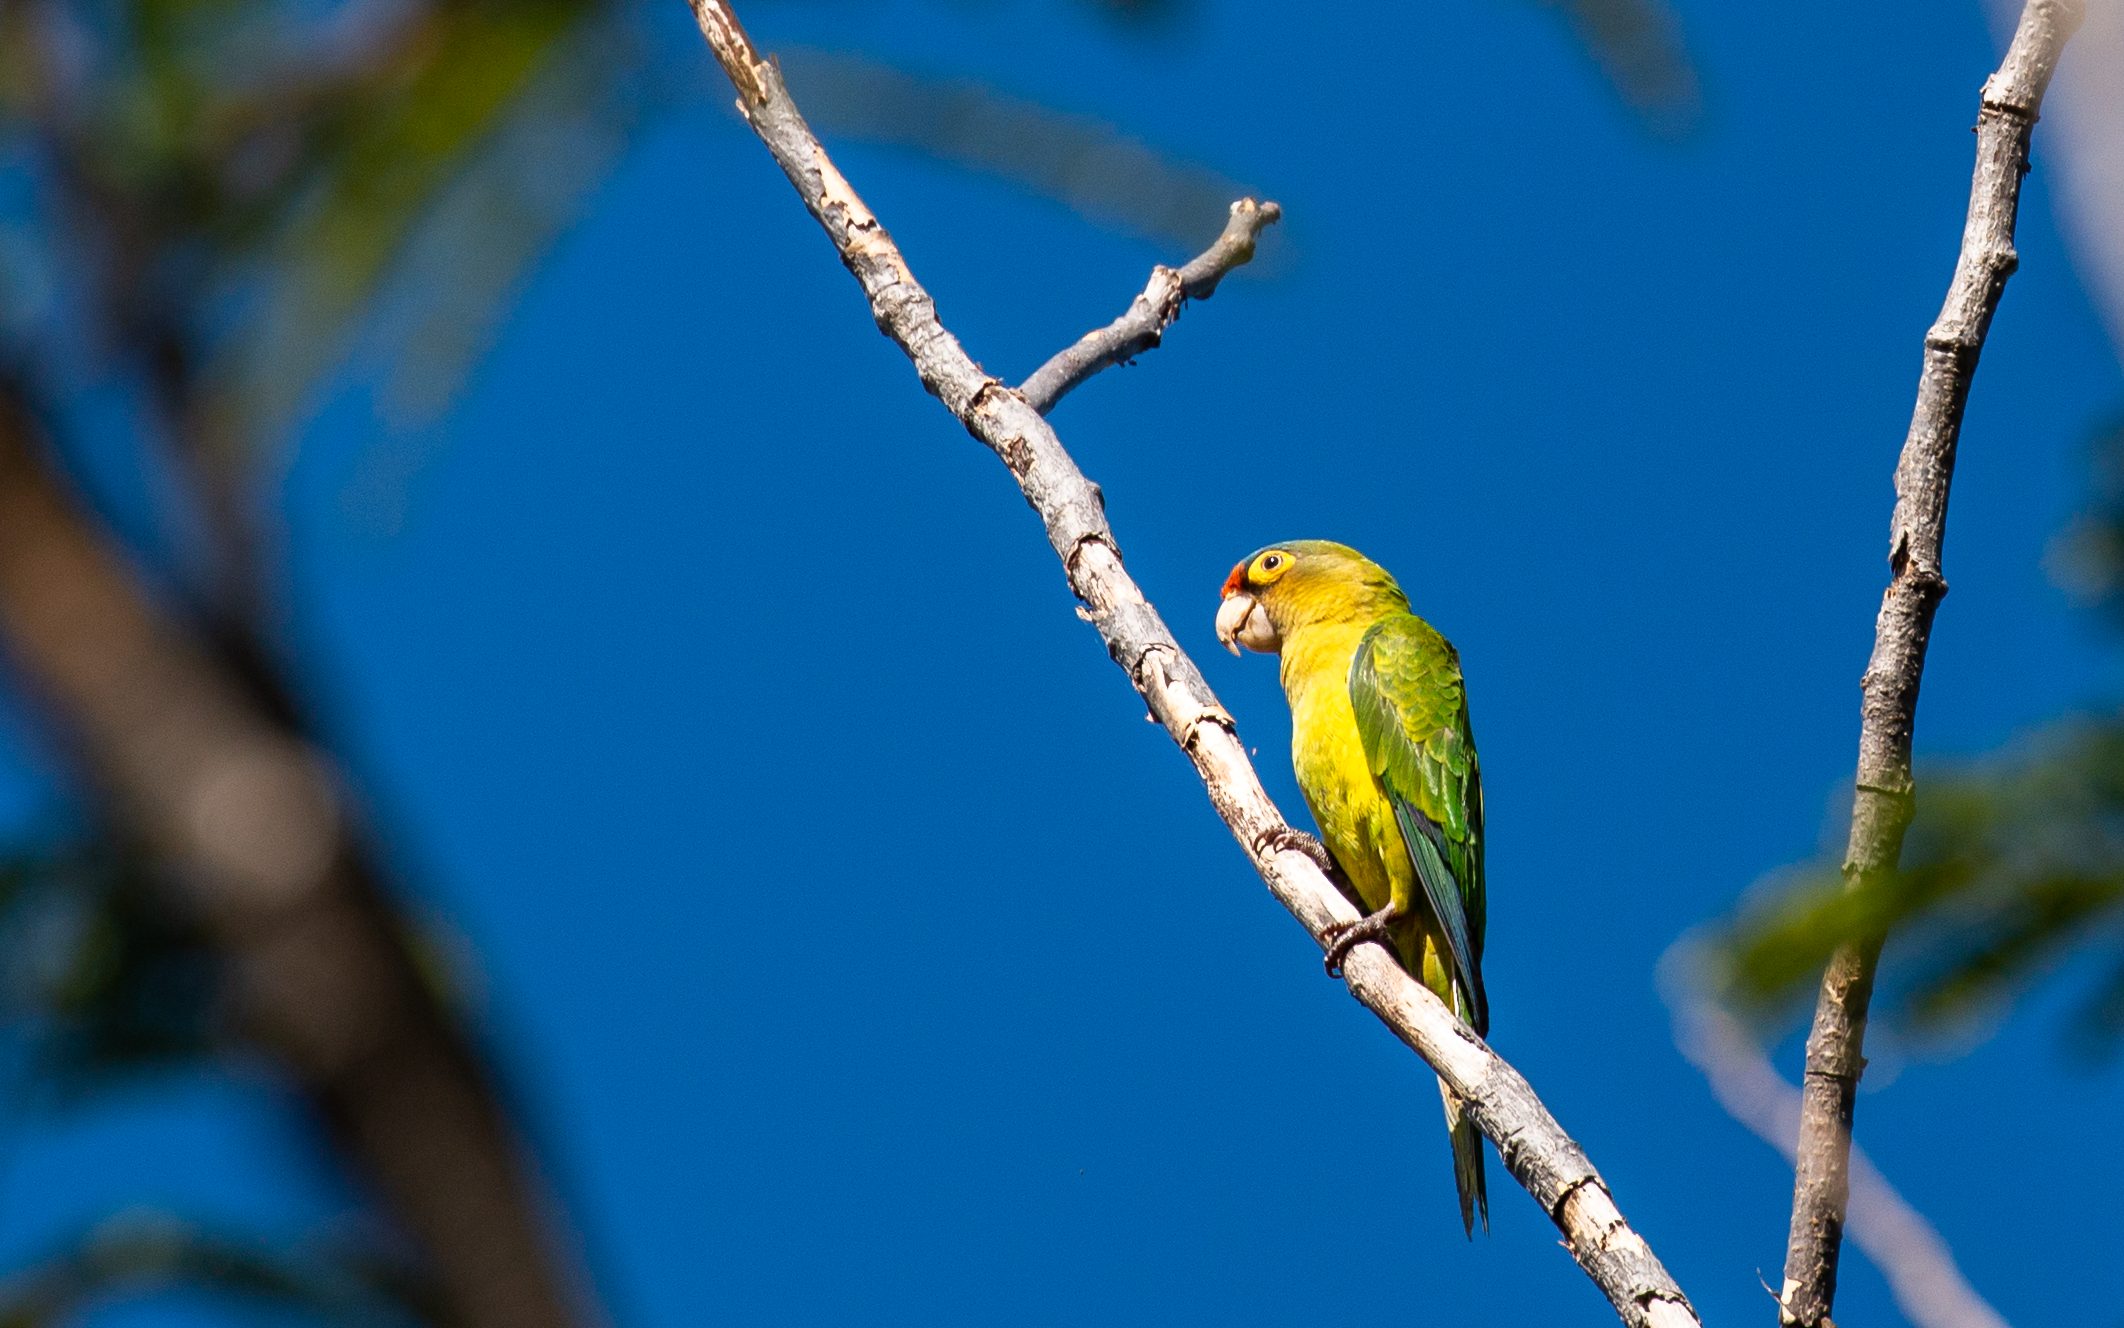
x=1304 y=843
x=1344 y=937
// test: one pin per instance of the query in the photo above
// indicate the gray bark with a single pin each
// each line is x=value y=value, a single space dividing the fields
x=1884 y=801
x=1143 y=326
x=1534 y=1148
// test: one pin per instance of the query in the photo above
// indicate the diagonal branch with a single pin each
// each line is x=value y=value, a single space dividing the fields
x=1884 y=801
x=260 y=849
x=1535 y=1149
x=1149 y=314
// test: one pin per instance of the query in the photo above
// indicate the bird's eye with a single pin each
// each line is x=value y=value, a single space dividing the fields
x=1269 y=566
x=1272 y=562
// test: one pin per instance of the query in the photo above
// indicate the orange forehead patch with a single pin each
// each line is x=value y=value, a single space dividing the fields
x=1235 y=581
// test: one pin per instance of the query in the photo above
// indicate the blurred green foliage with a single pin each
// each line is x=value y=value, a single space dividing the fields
x=102 y=982
x=102 y=978
x=233 y=178
x=2086 y=560
x=348 y=1282
x=2012 y=866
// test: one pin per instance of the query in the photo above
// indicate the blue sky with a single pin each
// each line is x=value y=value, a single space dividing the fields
x=860 y=954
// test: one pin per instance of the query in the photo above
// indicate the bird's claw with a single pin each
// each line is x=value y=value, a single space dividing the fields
x=1303 y=843
x=1344 y=937
x=1317 y=852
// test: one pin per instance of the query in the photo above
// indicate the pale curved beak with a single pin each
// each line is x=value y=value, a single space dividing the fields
x=1241 y=621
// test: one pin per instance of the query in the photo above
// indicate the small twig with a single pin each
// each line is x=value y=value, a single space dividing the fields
x=1142 y=327
x=1883 y=803
x=1534 y=1148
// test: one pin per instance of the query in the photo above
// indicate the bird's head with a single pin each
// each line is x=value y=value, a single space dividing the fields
x=1296 y=584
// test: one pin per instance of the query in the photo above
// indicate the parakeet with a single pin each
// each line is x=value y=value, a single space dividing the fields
x=1385 y=758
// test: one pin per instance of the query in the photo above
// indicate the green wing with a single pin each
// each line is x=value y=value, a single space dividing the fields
x=1412 y=716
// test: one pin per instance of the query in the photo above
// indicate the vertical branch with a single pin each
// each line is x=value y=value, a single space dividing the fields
x=1533 y=1147
x=1883 y=802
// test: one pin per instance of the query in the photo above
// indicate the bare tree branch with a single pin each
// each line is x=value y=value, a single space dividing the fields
x=246 y=816
x=1534 y=1147
x=1149 y=314
x=1883 y=804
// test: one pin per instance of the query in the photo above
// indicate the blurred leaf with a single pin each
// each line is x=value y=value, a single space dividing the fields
x=231 y=182
x=2011 y=867
x=2100 y=1026
x=473 y=72
x=2086 y=559
x=1146 y=18
x=1638 y=45
x=454 y=280
x=106 y=979
x=138 y=1254
x=1091 y=166
x=490 y=225
x=103 y=976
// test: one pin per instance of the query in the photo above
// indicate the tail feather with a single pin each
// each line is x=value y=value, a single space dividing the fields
x=1467 y=1164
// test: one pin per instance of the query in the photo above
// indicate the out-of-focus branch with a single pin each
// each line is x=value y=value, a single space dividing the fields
x=1922 y=1274
x=246 y=817
x=1882 y=807
x=1149 y=314
x=1096 y=169
x=1534 y=1147
x=2083 y=108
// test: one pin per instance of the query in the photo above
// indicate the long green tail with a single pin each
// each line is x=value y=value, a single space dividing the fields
x=1467 y=1164
x=1467 y=1140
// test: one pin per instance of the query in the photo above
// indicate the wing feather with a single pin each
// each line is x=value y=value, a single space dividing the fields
x=1412 y=715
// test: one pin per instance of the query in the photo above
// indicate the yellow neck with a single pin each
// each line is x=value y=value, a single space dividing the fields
x=1318 y=655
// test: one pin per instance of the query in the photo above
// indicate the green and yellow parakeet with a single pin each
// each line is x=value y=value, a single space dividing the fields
x=1385 y=758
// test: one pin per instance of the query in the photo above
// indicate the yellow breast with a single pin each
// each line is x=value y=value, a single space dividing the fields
x=1356 y=820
